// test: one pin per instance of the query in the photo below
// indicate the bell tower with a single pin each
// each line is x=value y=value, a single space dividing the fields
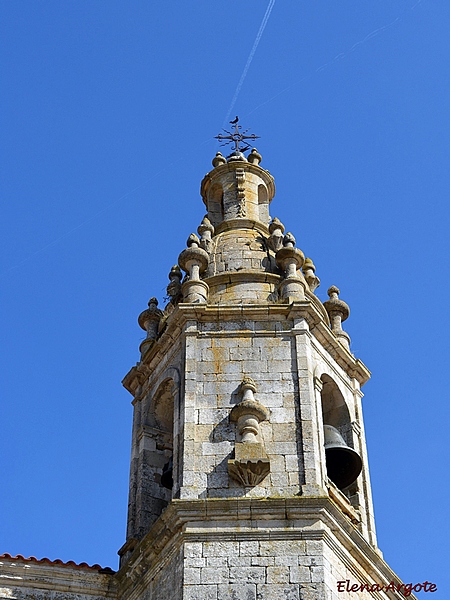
x=249 y=475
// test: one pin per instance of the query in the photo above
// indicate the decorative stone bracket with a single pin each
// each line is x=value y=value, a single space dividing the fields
x=251 y=463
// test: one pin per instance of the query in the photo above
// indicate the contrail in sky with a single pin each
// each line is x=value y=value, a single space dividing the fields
x=250 y=57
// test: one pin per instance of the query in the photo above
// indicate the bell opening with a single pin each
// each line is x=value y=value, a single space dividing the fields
x=167 y=475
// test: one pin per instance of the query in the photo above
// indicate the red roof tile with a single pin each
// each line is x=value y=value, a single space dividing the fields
x=59 y=562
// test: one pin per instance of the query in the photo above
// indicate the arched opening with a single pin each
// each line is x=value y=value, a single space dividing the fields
x=215 y=204
x=263 y=204
x=343 y=463
x=160 y=419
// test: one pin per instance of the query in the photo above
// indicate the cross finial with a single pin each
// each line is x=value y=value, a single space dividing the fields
x=236 y=137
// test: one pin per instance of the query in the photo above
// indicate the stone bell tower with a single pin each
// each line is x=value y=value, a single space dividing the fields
x=249 y=476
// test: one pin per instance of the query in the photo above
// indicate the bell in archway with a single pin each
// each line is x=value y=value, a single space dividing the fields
x=343 y=463
x=167 y=475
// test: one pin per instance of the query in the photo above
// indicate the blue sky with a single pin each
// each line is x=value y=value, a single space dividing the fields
x=109 y=112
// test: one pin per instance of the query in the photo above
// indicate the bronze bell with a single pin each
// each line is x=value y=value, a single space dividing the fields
x=343 y=463
x=167 y=475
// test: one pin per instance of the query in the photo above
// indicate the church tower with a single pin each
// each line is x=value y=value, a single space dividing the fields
x=249 y=475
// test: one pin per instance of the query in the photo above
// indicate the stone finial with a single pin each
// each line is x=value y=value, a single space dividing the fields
x=205 y=231
x=276 y=230
x=194 y=261
x=309 y=271
x=289 y=240
x=338 y=311
x=289 y=259
x=251 y=463
x=218 y=160
x=149 y=320
x=254 y=157
x=174 y=287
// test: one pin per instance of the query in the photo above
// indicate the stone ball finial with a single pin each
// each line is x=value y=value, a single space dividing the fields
x=192 y=241
x=336 y=306
x=193 y=259
x=289 y=240
x=276 y=224
x=308 y=264
x=205 y=226
x=254 y=157
x=174 y=287
x=309 y=271
x=218 y=160
x=152 y=314
x=248 y=384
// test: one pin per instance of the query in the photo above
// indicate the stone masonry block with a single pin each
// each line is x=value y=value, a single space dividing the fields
x=277 y=592
x=216 y=561
x=291 y=461
x=277 y=574
x=214 y=575
x=299 y=574
x=263 y=561
x=240 y=561
x=250 y=548
x=236 y=591
x=191 y=576
x=230 y=548
x=217 y=449
x=212 y=416
x=283 y=432
x=282 y=548
x=195 y=562
x=205 y=592
x=248 y=574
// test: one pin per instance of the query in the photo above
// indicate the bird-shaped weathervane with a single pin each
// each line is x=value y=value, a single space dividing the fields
x=236 y=137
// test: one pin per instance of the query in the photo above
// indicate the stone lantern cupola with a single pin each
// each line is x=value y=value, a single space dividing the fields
x=249 y=475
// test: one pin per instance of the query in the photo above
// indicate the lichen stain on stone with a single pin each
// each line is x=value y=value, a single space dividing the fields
x=218 y=357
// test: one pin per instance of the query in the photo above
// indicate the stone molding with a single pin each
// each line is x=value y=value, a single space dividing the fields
x=244 y=519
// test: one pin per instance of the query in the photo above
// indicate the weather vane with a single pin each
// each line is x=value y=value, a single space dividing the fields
x=236 y=137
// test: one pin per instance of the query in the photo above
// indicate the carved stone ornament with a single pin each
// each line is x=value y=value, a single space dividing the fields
x=289 y=259
x=194 y=261
x=251 y=463
x=149 y=320
x=338 y=311
x=309 y=271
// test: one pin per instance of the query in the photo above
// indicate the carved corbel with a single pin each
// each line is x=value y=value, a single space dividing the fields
x=251 y=463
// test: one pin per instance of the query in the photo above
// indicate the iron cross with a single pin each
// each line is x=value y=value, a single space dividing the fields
x=237 y=137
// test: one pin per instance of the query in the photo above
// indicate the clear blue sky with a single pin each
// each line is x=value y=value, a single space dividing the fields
x=108 y=112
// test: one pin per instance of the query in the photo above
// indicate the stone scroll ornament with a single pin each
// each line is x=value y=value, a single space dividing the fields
x=251 y=463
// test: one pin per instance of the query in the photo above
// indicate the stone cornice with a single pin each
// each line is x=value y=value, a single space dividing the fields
x=311 y=310
x=300 y=518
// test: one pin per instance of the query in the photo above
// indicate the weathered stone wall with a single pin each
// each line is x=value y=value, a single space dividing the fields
x=253 y=570
x=216 y=362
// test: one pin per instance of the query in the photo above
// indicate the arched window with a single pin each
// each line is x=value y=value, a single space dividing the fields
x=215 y=204
x=263 y=203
